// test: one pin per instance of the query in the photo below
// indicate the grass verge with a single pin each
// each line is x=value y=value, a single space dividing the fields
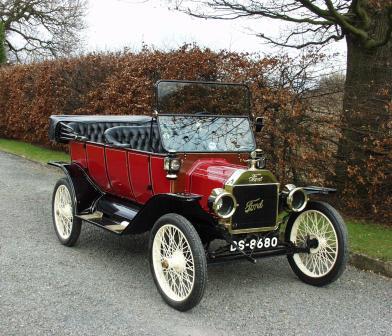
x=371 y=239
x=368 y=238
x=32 y=152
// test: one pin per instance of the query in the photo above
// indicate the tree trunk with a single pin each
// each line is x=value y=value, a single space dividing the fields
x=366 y=117
x=3 y=56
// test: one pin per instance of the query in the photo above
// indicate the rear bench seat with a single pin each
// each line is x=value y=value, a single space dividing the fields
x=94 y=131
x=120 y=134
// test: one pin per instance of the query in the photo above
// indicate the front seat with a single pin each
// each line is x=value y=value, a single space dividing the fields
x=135 y=137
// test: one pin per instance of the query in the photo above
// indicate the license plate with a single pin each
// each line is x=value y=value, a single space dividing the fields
x=254 y=244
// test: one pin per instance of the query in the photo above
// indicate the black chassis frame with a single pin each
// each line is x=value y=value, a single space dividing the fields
x=89 y=198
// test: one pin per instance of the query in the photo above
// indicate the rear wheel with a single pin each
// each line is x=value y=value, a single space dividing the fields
x=321 y=224
x=66 y=225
x=178 y=262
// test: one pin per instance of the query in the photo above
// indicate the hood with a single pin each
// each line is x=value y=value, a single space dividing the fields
x=207 y=174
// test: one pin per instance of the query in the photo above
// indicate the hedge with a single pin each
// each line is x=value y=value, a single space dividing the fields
x=300 y=142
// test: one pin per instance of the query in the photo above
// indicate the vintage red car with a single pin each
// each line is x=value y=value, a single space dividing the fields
x=190 y=174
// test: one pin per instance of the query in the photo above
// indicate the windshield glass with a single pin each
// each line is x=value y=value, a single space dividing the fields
x=206 y=133
x=203 y=98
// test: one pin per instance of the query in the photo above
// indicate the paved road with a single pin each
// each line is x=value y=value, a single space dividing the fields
x=103 y=285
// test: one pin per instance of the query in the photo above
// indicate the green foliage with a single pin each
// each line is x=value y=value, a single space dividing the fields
x=3 y=55
x=370 y=239
x=32 y=152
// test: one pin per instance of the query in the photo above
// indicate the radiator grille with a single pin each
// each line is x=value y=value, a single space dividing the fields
x=257 y=206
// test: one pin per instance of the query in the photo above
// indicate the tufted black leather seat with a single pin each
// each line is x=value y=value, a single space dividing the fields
x=94 y=131
x=135 y=137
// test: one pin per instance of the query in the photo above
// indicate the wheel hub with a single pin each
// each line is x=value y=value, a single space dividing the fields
x=177 y=262
x=313 y=243
x=322 y=242
x=165 y=264
x=66 y=211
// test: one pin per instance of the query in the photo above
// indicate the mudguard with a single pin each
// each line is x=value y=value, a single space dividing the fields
x=85 y=191
x=186 y=205
x=319 y=190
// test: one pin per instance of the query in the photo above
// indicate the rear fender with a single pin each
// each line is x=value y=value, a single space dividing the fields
x=85 y=191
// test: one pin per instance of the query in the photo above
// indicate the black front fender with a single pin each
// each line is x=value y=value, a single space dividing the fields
x=186 y=205
x=319 y=190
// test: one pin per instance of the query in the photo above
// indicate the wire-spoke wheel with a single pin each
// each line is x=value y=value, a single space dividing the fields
x=66 y=225
x=321 y=226
x=313 y=224
x=178 y=261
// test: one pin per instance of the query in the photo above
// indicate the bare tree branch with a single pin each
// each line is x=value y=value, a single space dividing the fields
x=303 y=45
x=42 y=28
x=338 y=18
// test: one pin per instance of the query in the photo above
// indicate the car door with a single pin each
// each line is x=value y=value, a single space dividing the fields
x=96 y=165
x=118 y=172
x=139 y=175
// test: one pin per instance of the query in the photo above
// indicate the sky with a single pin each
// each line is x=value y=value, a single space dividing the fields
x=117 y=24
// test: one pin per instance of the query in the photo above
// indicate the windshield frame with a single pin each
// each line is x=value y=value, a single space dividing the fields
x=203 y=116
x=248 y=111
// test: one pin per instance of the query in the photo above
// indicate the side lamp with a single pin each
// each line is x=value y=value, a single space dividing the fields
x=172 y=165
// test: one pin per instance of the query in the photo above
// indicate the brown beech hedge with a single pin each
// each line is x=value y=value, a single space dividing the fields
x=300 y=141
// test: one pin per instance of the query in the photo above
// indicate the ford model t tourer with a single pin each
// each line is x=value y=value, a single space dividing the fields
x=191 y=175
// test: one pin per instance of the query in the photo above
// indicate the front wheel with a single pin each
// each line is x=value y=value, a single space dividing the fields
x=323 y=225
x=178 y=262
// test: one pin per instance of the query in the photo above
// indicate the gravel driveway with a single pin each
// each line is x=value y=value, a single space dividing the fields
x=103 y=286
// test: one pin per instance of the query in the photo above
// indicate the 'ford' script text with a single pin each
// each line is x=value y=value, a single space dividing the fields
x=254 y=205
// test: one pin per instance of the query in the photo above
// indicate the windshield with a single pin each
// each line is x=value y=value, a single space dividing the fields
x=175 y=97
x=206 y=133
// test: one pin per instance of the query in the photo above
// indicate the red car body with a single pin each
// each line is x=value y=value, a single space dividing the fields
x=137 y=176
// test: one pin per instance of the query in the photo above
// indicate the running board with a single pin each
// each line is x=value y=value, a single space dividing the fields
x=112 y=214
x=105 y=223
x=117 y=209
